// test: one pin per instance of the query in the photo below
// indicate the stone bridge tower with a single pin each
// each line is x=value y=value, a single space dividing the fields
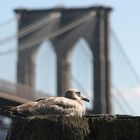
x=92 y=24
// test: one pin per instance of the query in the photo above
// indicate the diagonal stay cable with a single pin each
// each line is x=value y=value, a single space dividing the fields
x=137 y=78
x=30 y=28
x=52 y=34
x=124 y=100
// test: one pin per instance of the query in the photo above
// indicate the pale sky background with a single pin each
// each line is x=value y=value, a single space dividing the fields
x=125 y=20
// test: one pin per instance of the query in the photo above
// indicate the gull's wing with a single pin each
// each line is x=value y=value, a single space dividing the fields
x=58 y=101
x=21 y=110
x=55 y=106
x=43 y=98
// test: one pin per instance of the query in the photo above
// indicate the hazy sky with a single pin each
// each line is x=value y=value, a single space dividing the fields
x=125 y=20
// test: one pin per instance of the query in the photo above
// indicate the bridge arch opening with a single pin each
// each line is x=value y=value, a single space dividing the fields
x=82 y=69
x=46 y=69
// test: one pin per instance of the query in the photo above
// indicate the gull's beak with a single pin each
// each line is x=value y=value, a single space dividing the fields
x=85 y=99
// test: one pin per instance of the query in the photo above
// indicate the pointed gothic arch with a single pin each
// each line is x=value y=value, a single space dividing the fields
x=46 y=68
x=82 y=69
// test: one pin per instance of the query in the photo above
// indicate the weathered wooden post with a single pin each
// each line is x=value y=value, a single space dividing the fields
x=98 y=127
x=50 y=128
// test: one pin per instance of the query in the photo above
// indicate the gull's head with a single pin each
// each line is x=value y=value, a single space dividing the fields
x=75 y=95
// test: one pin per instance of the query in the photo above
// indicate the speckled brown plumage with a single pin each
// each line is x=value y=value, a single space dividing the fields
x=71 y=105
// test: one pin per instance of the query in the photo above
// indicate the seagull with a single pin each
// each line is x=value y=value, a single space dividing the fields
x=70 y=105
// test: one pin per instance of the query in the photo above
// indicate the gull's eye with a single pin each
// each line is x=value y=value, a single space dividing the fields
x=78 y=93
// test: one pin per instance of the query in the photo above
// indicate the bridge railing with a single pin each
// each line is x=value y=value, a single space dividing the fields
x=20 y=90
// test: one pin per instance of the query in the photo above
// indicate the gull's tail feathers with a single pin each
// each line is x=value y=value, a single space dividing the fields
x=8 y=108
x=11 y=109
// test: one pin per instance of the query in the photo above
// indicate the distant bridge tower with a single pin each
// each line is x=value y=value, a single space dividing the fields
x=95 y=30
